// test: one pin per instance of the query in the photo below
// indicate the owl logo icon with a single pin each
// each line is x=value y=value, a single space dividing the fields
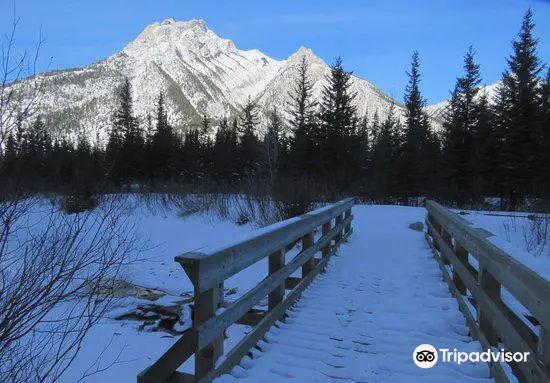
x=425 y=356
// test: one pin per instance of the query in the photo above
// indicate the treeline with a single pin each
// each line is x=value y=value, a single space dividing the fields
x=312 y=148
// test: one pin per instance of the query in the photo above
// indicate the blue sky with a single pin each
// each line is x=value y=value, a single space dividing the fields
x=375 y=38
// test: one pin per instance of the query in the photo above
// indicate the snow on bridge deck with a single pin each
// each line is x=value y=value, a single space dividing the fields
x=382 y=296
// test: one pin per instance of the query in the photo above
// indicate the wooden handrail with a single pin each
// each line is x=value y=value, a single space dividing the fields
x=209 y=269
x=493 y=323
x=215 y=264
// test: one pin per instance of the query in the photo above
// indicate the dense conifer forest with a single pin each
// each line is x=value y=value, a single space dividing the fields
x=317 y=149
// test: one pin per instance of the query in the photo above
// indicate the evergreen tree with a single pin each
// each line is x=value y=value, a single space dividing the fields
x=459 y=126
x=545 y=130
x=225 y=151
x=301 y=109
x=420 y=148
x=163 y=145
x=338 y=122
x=385 y=156
x=9 y=161
x=250 y=147
x=83 y=163
x=518 y=115
x=205 y=151
x=126 y=142
x=273 y=140
x=363 y=139
x=191 y=157
x=34 y=148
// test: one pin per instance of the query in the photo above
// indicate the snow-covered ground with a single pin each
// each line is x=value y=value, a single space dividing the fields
x=515 y=233
x=382 y=296
x=117 y=350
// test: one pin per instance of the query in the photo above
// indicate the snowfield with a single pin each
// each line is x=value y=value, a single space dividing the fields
x=382 y=296
x=513 y=233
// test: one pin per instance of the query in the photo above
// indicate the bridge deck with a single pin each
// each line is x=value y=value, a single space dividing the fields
x=382 y=296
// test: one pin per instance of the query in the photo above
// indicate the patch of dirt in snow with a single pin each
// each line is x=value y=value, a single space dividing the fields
x=156 y=309
x=417 y=226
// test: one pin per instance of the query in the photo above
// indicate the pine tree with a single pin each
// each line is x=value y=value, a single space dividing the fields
x=518 y=115
x=364 y=141
x=385 y=155
x=420 y=146
x=190 y=156
x=272 y=145
x=338 y=122
x=301 y=109
x=225 y=152
x=250 y=147
x=545 y=131
x=484 y=150
x=460 y=123
x=163 y=145
x=126 y=142
x=83 y=184
x=9 y=161
x=205 y=150
x=33 y=150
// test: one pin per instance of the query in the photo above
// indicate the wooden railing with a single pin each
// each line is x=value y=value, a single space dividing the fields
x=479 y=285
x=210 y=268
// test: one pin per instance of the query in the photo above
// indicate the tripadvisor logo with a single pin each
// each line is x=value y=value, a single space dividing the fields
x=426 y=356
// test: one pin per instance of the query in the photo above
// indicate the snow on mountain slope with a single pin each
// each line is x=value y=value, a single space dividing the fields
x=199 y=72
x=278 y=92
x=437 y=111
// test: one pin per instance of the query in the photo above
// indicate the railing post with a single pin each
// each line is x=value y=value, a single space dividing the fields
x=491 y=287
x=276 y=262
x=462 y=255
x=437 y=227
x=205 y=308
x=339 y=220
x=326 y=229
x=543 y=346
x=307 y=242
x=448 y=241
x=348 y=225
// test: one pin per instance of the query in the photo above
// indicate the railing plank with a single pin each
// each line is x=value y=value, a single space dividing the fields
x=250 y=340
x=209 y=330
x=209 y=269
x=497 y=371
x=524 y=284
x=180 y=351
x=496 y=323
x=462 y=269
x=214 y=265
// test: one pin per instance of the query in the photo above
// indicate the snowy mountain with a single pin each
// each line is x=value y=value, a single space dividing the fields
x=199 y=72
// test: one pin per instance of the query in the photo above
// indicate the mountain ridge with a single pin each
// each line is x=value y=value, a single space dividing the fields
x=199 y=72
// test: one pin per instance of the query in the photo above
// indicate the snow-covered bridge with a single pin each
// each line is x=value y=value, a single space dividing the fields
x=383 y=294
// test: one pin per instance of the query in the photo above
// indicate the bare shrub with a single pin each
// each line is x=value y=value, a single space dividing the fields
x=536 y=234
x=57 y=275
x=534 y=231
